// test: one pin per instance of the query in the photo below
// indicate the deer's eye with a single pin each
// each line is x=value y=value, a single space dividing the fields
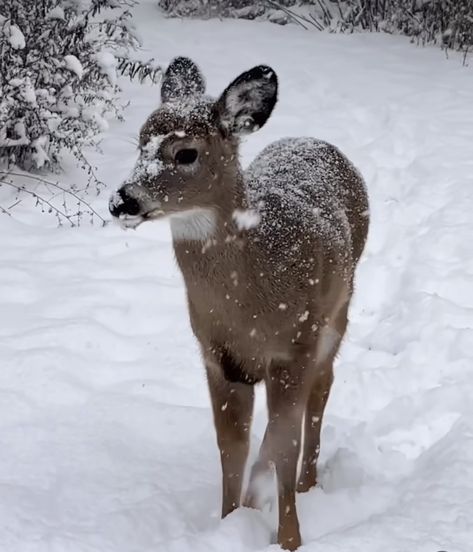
x=185 y=156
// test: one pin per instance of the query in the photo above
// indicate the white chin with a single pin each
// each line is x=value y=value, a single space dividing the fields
x=127 y=221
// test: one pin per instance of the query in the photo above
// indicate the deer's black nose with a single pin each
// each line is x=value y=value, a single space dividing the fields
x=123 y=204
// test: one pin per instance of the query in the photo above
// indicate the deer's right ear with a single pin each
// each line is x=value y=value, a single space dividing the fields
x=248 y=101
x=181 y=80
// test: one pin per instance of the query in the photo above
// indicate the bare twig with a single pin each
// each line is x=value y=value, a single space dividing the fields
x=288 y=12
x=4 y=211
x=316 y=23
x=42 y=200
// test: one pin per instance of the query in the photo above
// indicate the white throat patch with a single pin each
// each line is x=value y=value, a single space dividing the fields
x=195 y=224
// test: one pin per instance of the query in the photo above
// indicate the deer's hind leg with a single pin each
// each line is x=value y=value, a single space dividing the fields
x=327 y=347
x=312 y=425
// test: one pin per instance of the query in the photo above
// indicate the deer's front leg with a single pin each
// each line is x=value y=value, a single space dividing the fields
x=287 y=397
x=232 y=405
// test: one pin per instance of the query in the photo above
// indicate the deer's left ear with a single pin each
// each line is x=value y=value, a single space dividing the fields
x=248 y=101
x=182 y=80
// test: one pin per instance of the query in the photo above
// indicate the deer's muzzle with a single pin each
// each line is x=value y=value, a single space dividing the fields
x=122 y=204
x=131 y=206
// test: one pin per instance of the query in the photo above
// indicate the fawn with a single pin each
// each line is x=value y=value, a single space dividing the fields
x=268 y=257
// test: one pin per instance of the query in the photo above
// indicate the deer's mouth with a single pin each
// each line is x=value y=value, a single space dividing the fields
x=127 y=221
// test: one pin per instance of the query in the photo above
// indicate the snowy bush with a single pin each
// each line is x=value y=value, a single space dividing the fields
x=243 y=9
x=59 y=60
x=448 y=23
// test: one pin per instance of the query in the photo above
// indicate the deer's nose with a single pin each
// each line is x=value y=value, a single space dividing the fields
x=123 y=204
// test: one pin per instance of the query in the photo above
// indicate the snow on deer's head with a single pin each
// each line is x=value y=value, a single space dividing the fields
x=189 y=145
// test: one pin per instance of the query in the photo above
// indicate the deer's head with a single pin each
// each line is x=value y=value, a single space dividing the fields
x=189 y=145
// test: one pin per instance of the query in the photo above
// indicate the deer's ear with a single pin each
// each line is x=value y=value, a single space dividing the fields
x=248 y=101
x=181 y=80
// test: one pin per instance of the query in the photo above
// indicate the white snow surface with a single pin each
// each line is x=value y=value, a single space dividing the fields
x=105 y=424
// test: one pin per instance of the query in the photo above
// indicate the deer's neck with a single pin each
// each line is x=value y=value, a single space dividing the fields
x=217 y=223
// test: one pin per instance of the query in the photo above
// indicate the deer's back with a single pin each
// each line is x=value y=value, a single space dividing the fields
x=308 y=193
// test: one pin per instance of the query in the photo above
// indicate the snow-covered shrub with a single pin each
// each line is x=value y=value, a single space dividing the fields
x=448 y=23
x=243 y=9
x=59 y=61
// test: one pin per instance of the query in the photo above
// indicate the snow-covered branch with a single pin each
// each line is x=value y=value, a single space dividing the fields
x=46 y=194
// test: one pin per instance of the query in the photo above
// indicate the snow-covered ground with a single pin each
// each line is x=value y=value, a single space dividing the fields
x=106 y=436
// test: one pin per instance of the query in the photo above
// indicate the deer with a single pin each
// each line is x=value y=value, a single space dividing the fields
x=268 y=258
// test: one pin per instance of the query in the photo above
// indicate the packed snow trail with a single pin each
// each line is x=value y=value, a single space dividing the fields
x=105 y=424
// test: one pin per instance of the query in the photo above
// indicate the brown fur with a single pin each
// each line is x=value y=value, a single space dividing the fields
x=266 y=303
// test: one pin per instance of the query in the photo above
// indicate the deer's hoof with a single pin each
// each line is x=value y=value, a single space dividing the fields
x=291 y=543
